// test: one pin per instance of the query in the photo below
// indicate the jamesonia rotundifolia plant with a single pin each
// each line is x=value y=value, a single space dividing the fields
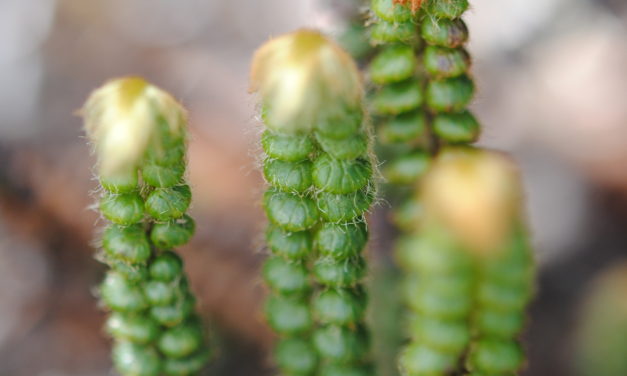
x=422 y=89
x=320 y=171
x=469 y=269
x=139 y=134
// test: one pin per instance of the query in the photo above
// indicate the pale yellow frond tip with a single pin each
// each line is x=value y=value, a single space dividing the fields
x=303 y=78
x=476 y=195
x=122 y=118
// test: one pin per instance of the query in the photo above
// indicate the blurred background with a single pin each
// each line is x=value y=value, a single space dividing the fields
x=552 y=92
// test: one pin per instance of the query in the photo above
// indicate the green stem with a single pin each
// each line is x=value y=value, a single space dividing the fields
x=152 y=321
x=320 y=173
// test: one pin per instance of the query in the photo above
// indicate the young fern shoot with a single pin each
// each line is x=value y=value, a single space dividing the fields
x=139 y=134
x=471 y=269
x=320 y=172
x=423 y=92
